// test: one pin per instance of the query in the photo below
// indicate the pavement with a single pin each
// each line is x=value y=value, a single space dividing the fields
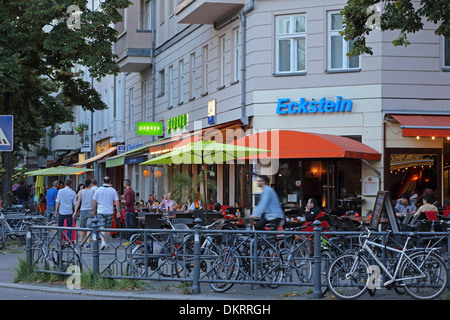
x=172 y=291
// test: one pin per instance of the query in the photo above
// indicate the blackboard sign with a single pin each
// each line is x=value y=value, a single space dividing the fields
x=383 y=201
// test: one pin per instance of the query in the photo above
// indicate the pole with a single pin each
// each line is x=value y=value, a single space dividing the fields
x=317 y=292
x=197 y=252
x=95 y=248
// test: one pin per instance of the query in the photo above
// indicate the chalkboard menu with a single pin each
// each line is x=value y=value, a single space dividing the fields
x=383 y=201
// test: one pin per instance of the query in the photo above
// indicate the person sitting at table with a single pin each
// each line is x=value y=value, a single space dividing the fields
x=151 y=200
x=312 y=210
x=427 y=206
x=168 y=204
x=218 y=208
x=196 y=205
x=404 y=206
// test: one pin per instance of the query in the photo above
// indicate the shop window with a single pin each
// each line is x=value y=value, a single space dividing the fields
x=338 y=47
x=291 y=43
x=413 y=174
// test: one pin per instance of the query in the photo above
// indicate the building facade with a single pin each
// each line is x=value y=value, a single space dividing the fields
x=258 y=66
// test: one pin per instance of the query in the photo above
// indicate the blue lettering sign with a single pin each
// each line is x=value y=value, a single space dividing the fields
x=286 y=106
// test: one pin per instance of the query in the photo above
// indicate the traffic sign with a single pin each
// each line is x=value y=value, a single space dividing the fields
x=6 y=133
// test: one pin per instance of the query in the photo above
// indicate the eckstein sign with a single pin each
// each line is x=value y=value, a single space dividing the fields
x=285 y=106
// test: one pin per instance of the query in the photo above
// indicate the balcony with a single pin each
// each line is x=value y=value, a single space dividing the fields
x=64 y=141
x=206 y=11
x=134 y=41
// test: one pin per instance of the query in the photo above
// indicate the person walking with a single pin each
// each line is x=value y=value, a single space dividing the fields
x=103 y=205
x=65 y=202
x=130 y=216
x=268 y=208
x=84 y=203
x=52 y=193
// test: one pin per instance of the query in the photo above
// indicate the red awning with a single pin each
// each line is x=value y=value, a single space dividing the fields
x=286 y=144
x=424 y=125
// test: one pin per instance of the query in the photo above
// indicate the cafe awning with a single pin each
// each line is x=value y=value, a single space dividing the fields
x=99 y=156
x=424 y=125
x=287 y=144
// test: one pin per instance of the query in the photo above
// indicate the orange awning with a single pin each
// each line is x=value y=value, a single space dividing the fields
x=424 y=125
x=286 y=144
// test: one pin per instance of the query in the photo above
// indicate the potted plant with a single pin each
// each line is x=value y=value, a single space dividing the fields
x=185 y=185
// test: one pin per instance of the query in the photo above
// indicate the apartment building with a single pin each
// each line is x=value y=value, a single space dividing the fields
x=266 y=65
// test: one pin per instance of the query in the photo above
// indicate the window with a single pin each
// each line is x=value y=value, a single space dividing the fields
x=112 y=106
x=205 y=70
x=236 y=56
x=119 y=110
x=222 y=61
x=146 y=15
x=162 y=82
x=105 y=112
x=338 y=47
x=144 y=101
x=291 y=43
x=131 y=104
x=192 y=82
x=446 y=55
x=170 y=86
x=181 y=82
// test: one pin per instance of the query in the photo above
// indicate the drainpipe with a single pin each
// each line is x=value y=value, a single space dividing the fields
x=152 y=59
x=243 y=18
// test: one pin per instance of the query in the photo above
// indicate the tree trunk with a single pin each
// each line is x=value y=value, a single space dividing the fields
x=7 y=163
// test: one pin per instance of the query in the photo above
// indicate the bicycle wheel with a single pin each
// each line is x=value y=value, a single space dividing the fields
x=326 y=260
x=270 y=267
x=424 y=276
x=225 y=268
x=348 y=276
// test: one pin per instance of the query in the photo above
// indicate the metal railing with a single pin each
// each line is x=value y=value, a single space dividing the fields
x=221 y=258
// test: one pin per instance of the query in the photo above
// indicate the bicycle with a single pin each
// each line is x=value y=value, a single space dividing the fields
x=420 y=271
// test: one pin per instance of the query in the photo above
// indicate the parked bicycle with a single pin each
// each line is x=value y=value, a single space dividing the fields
x=420 y=271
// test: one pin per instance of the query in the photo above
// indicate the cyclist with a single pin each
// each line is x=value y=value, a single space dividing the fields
x=268 y=208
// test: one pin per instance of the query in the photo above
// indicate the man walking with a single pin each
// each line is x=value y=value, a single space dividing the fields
x=52 y=193
x=65 y=201
x=129 y=199
x=84 y=203
x=268 y=208
x=103 y=204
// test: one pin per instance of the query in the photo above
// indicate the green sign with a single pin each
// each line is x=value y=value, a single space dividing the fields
x=149 y=128
x=177 y=123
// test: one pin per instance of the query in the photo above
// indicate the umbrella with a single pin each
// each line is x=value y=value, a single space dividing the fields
x=38 y=187
x=58 y=171
x=204 y=152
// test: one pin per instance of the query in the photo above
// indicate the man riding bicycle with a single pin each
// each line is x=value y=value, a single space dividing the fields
x=268 y=208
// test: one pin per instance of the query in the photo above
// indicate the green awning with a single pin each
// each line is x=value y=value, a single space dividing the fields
x=115 y=162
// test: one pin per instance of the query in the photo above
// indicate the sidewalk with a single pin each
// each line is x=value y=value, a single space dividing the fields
x=169 y=290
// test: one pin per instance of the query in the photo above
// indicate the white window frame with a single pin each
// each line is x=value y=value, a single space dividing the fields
x=290 y=36
x=162 y=82
x=444 y=66
x=345 y=47
x=131 y=107
x=144 y=101
x=205 y=70
x=193 y=75
x=223 y=61
x=105 y=112
x=146 y=15
x=171 y=86
x=111 y=105
x=236 y=52
x=181 y=82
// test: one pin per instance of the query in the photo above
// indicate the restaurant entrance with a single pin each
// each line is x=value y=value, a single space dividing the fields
x=329 y=181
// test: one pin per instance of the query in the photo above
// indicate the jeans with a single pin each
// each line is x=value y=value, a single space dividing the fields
x=69 y=221
x=129 y=222
x=50 y=213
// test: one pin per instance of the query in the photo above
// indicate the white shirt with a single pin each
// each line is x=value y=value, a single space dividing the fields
x=66 y=198
x=105 y=197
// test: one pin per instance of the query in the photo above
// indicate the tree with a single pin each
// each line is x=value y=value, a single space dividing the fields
x=362 y=16
x=38 y=49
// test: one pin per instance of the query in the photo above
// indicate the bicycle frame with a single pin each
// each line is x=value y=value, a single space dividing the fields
x=403 y=254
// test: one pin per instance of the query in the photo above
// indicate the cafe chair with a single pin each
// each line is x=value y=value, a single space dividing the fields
x=153 y=221
x=431 y=215
x=186 y=221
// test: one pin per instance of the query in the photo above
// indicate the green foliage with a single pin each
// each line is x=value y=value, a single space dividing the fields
x=403 y=16
x=185 y=185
